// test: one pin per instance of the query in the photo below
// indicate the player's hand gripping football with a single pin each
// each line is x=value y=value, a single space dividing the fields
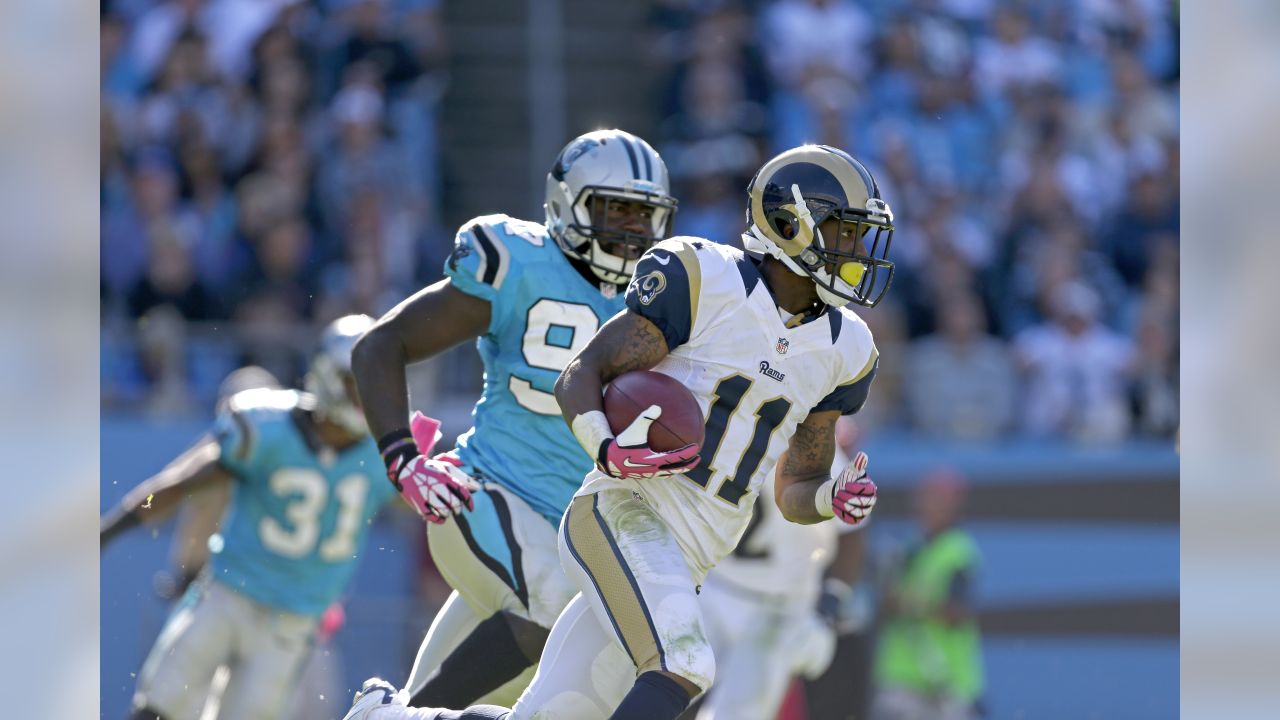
x=436 y=488
x=629 y=456
x=853 y=495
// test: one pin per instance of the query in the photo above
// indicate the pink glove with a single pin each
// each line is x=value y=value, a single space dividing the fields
x=426 y=432
x=628 y=456
x=853 y=495
x=331 y=621
x=437 y=488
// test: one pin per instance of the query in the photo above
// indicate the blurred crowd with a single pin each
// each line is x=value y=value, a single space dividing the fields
x=268 y=165
x=1030 y=153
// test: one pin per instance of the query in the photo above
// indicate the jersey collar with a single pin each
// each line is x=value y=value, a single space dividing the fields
x=749 y=268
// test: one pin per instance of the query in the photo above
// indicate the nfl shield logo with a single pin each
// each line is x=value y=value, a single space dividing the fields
x=782 y=346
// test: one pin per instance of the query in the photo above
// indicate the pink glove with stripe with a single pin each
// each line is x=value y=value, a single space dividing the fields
x=853 y=495
x=628 y=456
x=436 y=488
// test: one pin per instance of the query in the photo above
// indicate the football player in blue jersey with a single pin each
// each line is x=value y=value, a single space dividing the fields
x=306 y=481
x=532 y=294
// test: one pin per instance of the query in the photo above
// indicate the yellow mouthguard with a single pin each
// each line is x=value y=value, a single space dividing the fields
x=852 y=272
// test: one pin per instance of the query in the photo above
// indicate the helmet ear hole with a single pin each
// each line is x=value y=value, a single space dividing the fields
x=783 y=223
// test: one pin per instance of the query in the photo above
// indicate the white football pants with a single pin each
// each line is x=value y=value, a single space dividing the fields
x=760 y=643
x=262 y=647
x=638 y=611
x=501 y=556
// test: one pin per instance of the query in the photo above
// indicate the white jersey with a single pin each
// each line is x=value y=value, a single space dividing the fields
x=780 y=562
x=755 y=380
x=777 y=560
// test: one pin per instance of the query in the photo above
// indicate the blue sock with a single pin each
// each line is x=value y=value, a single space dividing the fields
x=654 y=697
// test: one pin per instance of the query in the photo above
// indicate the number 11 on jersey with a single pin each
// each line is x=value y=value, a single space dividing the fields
x=729 y=393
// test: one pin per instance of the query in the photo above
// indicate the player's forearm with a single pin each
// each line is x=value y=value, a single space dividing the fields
x=158 y=497
x=145 y=504
x=427 y=323
x=803 y=469
x=579 y=391
x=378 y=363
x=116 y=522
x=199 y=518
x=580 y=388
x=797 y=503
x=627 y=342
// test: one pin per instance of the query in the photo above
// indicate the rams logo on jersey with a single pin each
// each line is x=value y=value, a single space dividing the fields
x=648 y=286
x=768 y=371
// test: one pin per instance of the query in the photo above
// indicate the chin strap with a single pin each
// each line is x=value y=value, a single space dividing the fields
x=808 y=230
x=755 y=241
x=805 y=235
x=804 y=316
x=598 y=260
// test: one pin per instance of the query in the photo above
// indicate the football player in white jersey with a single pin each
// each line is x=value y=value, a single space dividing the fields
x=760 y=611
x=764 y=342
x=776 y=608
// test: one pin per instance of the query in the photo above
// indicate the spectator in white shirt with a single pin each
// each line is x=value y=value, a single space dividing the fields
x=1076 y=371
x=808 y=38
x=1015 y=56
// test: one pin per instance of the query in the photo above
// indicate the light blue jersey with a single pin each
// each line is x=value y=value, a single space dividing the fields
x=299 y=514
x=543 y=311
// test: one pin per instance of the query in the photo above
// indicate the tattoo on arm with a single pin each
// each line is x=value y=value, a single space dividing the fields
x=812 y=448
x=627 y=342
x=639 y=345
x=805 y=466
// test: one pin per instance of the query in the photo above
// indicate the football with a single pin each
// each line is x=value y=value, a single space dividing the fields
x=681 y=422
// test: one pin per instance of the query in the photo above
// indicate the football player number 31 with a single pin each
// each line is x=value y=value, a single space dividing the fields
x=307 y=492
x=555 y=331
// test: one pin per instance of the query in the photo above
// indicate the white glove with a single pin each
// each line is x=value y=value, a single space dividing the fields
x=814 y=647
